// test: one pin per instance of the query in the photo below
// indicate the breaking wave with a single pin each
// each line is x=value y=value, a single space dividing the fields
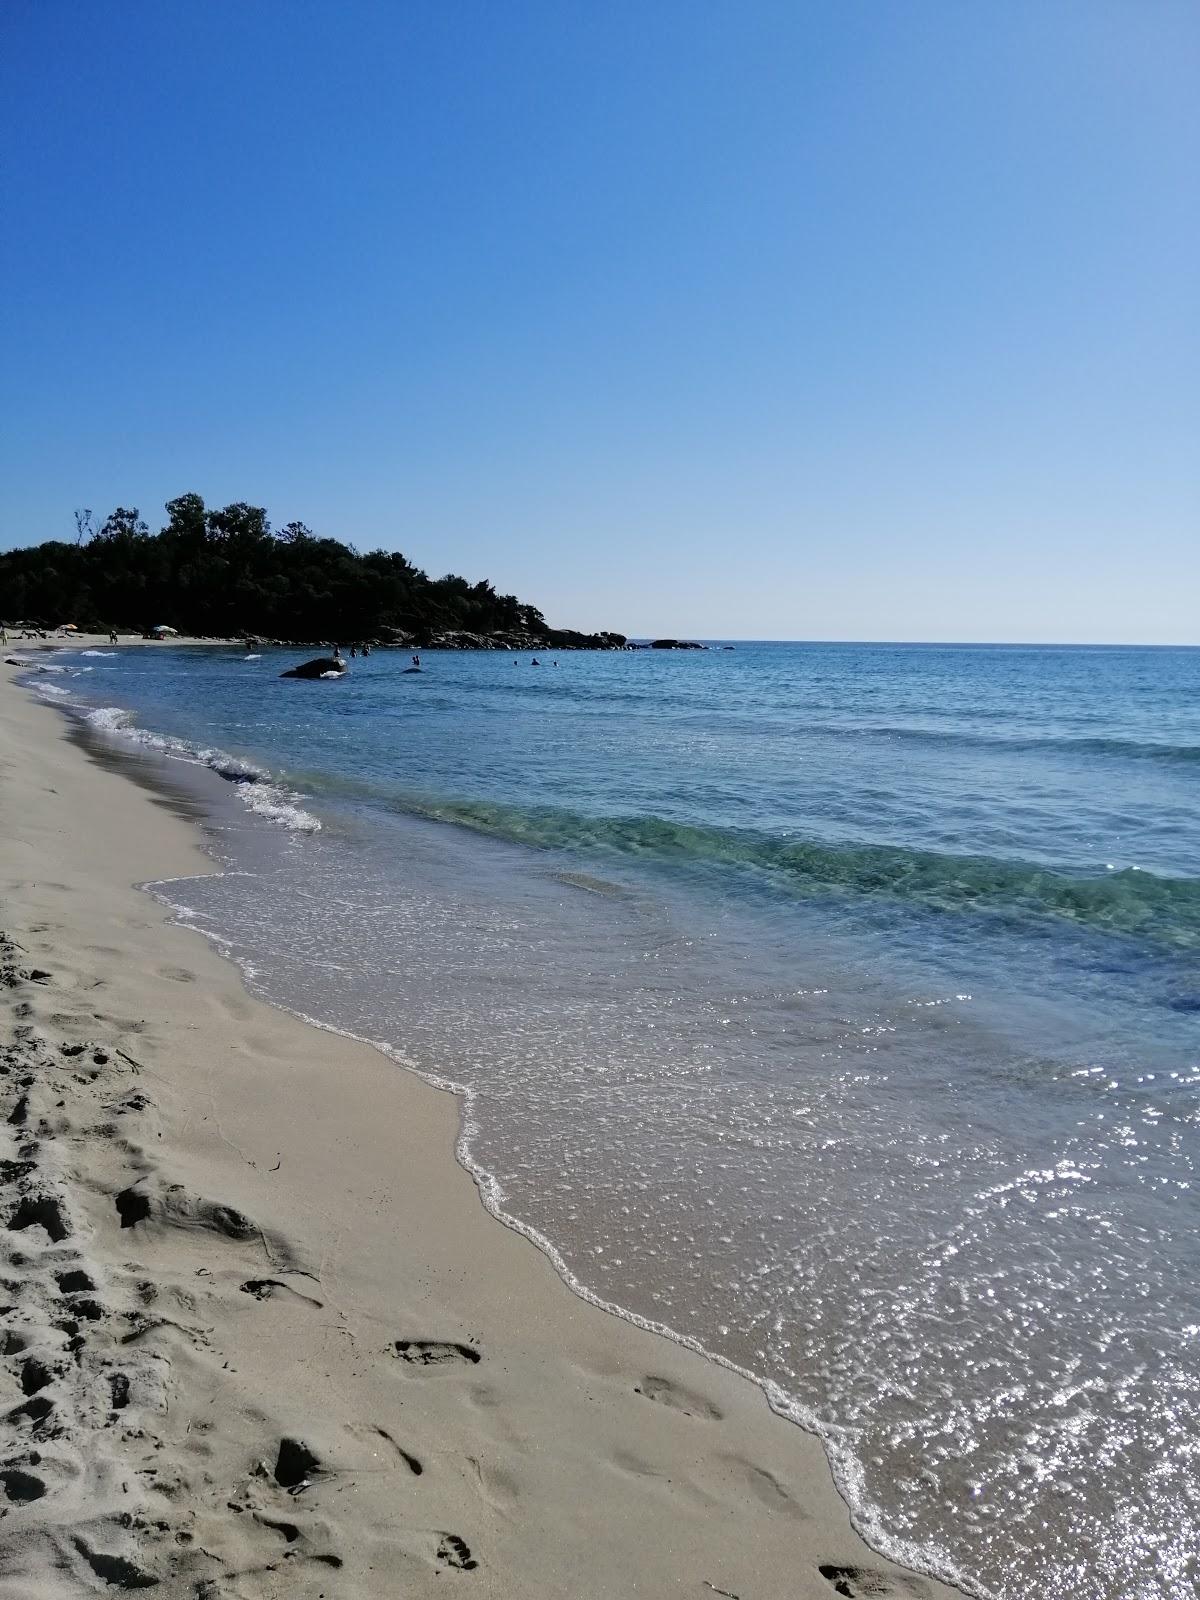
x=257 y=788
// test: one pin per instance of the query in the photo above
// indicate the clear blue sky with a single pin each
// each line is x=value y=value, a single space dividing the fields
x=846 y=319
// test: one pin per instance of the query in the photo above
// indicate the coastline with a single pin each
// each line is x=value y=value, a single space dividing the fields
x=315 y=1266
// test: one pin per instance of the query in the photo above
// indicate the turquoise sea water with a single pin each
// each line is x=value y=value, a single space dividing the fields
x=835 y=1006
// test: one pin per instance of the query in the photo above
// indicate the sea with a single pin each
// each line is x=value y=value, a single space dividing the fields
x=833 y=1008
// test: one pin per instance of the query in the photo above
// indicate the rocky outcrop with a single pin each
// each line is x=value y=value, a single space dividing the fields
x=318 y=667
x=555 y=639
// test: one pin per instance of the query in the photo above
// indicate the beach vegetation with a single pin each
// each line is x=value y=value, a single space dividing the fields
x=225 y=572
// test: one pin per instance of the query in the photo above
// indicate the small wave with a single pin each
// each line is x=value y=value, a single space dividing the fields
x=103 y=654
x=256 y=786
x=1165 y=911
x=109 y=719
x=1131 y=749
x=1016 y=744
x=252 y=658
x=235 y=769
x=29 y=666
x=273 y=803
x=53 y=689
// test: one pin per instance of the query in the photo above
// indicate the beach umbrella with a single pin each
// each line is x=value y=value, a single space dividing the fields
x=69 y=627
x=163 y=628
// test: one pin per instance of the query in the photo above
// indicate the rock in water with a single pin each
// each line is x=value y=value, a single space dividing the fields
x=318 y=667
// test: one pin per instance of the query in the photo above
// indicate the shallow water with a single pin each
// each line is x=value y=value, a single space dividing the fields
x=834 y=1006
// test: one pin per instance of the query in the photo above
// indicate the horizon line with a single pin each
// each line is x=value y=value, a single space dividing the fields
x=930 y=644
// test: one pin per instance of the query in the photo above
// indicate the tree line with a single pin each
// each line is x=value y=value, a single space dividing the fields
x=226 y=572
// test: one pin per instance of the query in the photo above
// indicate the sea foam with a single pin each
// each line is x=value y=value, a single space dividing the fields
x=259 y=791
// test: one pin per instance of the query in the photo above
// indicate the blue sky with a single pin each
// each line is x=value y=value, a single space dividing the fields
x=829 y=320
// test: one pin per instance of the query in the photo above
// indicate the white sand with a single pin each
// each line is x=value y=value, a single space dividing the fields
x=227 y=1230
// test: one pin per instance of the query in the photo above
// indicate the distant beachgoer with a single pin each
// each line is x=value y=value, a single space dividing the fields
x=366 y=649
x=112 y=636
x=3 y=635
x=535 y=662
x=416 y=661
x=353 y=652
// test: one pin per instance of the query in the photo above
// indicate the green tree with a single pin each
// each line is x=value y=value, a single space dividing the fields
x=122 y=524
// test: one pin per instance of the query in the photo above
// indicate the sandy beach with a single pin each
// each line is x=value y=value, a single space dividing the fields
x=261 y=1337
x=100 y=641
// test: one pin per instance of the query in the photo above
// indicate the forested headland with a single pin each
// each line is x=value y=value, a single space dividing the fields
x=227 y=572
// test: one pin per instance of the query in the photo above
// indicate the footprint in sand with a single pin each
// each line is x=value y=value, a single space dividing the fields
x=172 y=1204
x=409 y=1460
x=295 y=1464
x=678 y=1398
x=113 y=1569
x=864 y=1583
x=21 y=1487
x=766 y=1487
x=40 y=1211
x=433 y=1352
x=35 y=1375
x=132 y=1207
x=266 y=1288
x=74 y=1281
x=130 y=1103
x=37 y=1412
x=455 y=1552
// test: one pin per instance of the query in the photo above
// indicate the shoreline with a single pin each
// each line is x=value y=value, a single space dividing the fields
x=566 y=1451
